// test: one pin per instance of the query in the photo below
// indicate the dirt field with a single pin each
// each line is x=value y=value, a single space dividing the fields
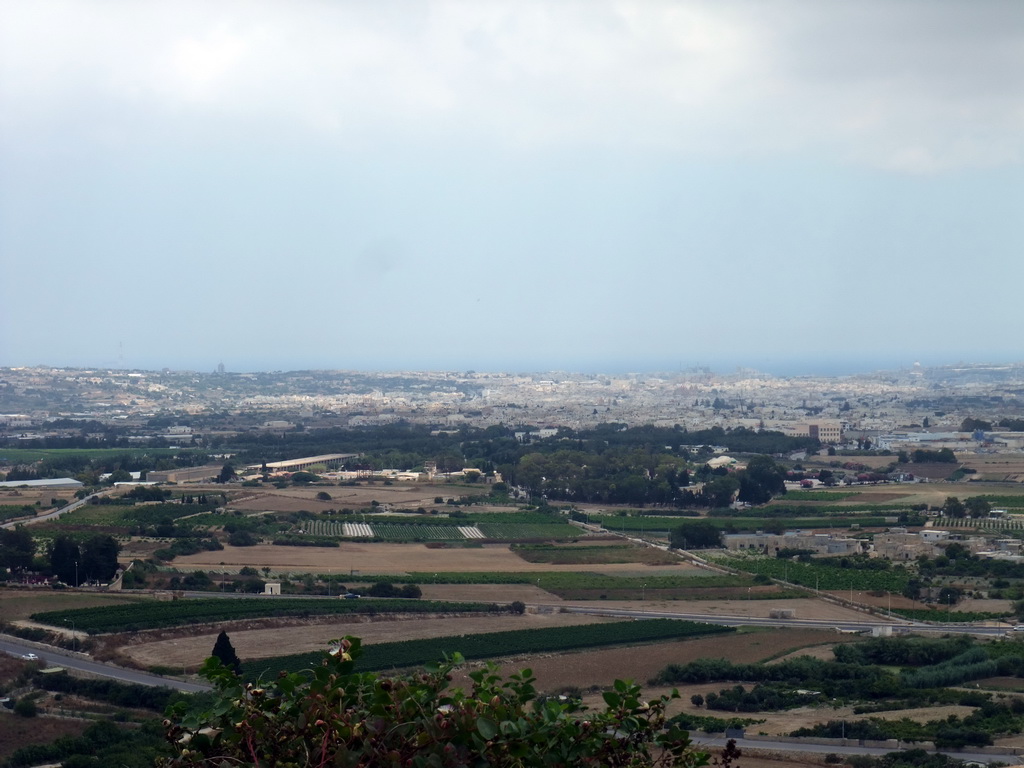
x=1003 y=467
x=804 y=608
x=381 y=558
x=313 y=636
x=17 y=732
x=603 y=666
x=21 y=603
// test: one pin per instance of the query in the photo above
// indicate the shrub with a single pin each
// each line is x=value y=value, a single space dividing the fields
x=337 y=717
x=26 y=707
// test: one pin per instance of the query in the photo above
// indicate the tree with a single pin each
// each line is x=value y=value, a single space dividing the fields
x=16 y=549
x=227 y=474
x=720 y=491
x=337 y=717
x=324 y=496
x=64 y=559
x=977 y=506
x=99 y=558
x=225 y=652
x=953 y=507
x=699 y=535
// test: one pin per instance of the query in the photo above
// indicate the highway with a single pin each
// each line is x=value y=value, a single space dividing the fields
x=56 y=657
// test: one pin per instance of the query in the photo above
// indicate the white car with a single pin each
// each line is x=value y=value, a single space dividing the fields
x=30 y=657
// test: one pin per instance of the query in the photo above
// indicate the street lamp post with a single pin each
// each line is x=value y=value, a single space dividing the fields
x=76 y=574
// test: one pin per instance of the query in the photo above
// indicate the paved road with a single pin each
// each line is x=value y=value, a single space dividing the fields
x=755 y=621
x=58 y=658
x=852 y=748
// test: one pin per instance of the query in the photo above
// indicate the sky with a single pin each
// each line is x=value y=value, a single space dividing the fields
x=793 y=186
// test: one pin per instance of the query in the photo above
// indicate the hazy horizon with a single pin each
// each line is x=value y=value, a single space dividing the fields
x=451 y=185
x=782 y=369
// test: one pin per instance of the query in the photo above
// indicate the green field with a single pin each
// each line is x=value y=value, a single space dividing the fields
x=818 y=495
x=157 y=615
x=27 y=455
x=494 y=645
x=821 y=575
x=507 y=528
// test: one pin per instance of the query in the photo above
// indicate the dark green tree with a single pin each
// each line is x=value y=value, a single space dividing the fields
x=99 y=558
x=953 y=507
x=16 y=549
x=227 y=474
x=225 y=652
x=699 y=535
x=977 y=506
x=64 y=559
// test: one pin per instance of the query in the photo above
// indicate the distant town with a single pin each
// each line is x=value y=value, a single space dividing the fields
x=965 y=408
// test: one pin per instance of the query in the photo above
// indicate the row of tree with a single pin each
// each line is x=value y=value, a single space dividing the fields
x=72 y=561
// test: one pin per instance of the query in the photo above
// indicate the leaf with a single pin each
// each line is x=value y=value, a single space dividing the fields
x=486 y=728
x=611 y=698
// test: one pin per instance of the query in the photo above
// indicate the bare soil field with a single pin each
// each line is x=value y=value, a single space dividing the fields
x=316 y=635
x=22 y=496
x=353 y=497
x=17 y=732
x=21 y=603
x=804 y=608
x=399 y=495
x=1003 y=467
x=388 y=558
x=602 y=667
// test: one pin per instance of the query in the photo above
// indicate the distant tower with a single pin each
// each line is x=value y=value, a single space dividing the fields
x=220 y=368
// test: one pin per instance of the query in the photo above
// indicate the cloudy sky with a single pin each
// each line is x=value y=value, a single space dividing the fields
x=791 y=186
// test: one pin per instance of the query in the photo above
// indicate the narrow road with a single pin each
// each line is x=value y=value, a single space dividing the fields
x=54 y=514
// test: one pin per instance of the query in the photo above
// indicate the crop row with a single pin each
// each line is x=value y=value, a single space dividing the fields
x=404 y=531
x=554 y=580
x=819 y=495
x=495 y=644
x=821 y=576
x=157 y=615
x=997 y=524
x=529 y=531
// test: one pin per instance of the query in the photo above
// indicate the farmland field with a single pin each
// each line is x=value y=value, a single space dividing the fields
x=820 y=576
x=313 y=635
x=158 y=614
x=588 y=555
x=377 y=558
x=497 y=644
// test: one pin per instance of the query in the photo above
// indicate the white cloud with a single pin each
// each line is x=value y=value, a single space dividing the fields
x=915 y=87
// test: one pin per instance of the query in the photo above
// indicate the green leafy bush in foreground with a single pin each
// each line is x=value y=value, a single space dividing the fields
x=343 y=718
